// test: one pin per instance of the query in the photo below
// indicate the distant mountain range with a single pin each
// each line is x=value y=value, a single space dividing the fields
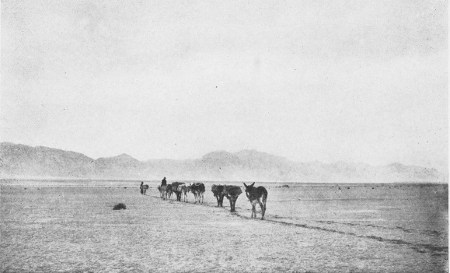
x=21 y=161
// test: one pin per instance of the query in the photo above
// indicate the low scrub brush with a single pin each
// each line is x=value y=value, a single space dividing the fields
x=120 y=206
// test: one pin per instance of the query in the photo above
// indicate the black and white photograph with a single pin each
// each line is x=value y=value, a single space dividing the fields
x=303 y=136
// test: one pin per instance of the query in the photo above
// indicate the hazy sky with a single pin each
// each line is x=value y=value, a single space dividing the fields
x=361 y=81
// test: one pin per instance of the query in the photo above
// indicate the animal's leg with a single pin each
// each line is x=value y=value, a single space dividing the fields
x=264 y=202
x=253 y=209
x=263 y=210
x=233 y=203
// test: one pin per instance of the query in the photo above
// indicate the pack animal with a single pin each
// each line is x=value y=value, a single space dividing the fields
x=232 y=193
x=163 y=191
x=144 y=188
x=177 y=189
x=198 y=189
x=256 y=196
x=219 y=194
x=184 y=191
x=169 y=191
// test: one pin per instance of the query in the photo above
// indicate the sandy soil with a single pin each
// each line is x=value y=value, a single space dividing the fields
x=74 y=229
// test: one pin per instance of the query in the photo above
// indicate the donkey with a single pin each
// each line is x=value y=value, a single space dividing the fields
x=198 y=189
x=232 y=193
x=144 y=187
x=184 y=191
x=169 y=191
x=163 y=191
x=177 y=189
x=219 y=193
x=256 y=195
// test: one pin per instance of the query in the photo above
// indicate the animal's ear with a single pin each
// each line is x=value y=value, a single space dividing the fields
x=245 y=185
x=252 y=184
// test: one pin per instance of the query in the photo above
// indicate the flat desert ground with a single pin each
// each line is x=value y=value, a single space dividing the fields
x=71 y=227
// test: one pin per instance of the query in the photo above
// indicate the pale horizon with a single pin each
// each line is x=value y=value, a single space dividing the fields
x=309 y=81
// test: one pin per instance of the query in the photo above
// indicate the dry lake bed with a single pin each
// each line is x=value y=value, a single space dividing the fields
x=70 y=226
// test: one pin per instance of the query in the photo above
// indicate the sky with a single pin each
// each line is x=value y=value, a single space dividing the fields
x=356 y=81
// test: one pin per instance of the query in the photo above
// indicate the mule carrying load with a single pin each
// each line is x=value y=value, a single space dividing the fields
x=230 y=192
x=198 y=189
x=143 y=187
x=163 y=191
x=178 y=188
